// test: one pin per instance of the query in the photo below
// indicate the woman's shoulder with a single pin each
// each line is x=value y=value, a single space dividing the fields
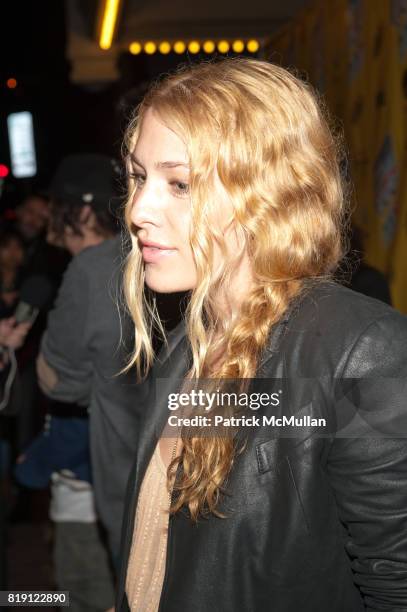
x=330 y=328
x=329 y=305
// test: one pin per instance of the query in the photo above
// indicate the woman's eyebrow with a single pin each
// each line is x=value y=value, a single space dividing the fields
x=171 y=164
x=160 y=164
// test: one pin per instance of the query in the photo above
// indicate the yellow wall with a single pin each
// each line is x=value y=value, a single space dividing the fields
x=355 y=53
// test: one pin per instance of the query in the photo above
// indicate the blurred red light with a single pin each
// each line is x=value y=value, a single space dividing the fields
x=4 y=171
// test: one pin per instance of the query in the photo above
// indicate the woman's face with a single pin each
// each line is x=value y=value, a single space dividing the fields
x=161 y=209
x=161 y=212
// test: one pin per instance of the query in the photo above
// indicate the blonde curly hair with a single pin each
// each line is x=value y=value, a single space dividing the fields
x=262 y=130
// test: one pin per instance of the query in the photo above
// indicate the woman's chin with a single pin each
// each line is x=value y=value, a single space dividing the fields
x=166 y=285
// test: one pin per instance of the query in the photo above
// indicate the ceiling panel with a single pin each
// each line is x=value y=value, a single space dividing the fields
x=180 y=18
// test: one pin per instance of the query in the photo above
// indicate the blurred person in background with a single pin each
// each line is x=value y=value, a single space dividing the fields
x=49 y=261
x=12 y=337
x=89 y=335
x=11 y=261
x=32 y=217
x=59 y=456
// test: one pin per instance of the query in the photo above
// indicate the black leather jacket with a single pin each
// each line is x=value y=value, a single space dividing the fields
x=318 y=522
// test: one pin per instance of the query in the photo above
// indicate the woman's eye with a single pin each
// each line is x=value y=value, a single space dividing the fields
x=180 y=187
x=139 y=179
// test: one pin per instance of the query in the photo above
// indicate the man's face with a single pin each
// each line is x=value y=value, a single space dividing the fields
x=75 y=242
x=32 y=217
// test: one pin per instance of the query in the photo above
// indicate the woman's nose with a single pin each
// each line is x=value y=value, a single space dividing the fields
x=146 y=205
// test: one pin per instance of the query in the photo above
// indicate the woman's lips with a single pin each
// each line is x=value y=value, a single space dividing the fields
x=152 y=254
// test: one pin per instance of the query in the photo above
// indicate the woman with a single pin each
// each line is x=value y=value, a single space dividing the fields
x=235 y=195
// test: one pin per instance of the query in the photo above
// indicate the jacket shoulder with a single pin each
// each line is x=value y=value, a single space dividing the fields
x=329 y=305
x=330 y=325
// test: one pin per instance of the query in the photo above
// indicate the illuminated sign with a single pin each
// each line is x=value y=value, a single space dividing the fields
x=22 y=150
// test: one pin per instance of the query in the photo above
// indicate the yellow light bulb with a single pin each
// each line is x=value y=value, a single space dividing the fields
x=150 y=47
x=194 y=46
x=164 y=47
x=179 y=47
x=223 y=46
x=135 y=48
x=238 y=46
x=209 y=46
x=253 y=46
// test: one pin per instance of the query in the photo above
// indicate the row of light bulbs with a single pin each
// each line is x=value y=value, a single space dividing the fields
x=209 y=46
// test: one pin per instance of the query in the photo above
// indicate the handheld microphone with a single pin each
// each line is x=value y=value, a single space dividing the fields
x=35 y=292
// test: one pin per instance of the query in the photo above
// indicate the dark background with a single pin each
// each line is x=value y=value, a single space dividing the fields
x=67 y=118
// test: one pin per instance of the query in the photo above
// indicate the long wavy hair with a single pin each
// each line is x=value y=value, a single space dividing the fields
x=263 y=132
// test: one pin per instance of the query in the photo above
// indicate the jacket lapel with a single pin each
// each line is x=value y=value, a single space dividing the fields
x=166 y=379
x=171 y=366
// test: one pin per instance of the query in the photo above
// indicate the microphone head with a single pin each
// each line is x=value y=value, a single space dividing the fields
x=36 y=291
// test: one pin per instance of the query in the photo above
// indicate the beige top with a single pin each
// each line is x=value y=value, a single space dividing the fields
x=146 y=567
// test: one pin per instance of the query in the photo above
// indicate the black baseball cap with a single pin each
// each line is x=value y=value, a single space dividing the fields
x=87 y=178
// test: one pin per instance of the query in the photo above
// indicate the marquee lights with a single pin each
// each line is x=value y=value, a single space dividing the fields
x=238 y=46
x=253 y=46
x=164 y=47
x=209 y=46
x=193 y=46
x=135 y=48
x=223 y=46
x=150 y=47
x=179 y=47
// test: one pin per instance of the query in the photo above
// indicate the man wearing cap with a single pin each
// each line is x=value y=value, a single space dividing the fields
x=88 y=337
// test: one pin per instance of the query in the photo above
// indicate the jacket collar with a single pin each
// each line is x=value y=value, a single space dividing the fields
x=171 y=365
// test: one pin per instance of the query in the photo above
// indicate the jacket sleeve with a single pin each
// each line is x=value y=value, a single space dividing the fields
x=367 y=464
x=65 y=345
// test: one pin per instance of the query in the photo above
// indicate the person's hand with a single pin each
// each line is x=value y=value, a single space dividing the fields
x=53 y=238
x=12 y=335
